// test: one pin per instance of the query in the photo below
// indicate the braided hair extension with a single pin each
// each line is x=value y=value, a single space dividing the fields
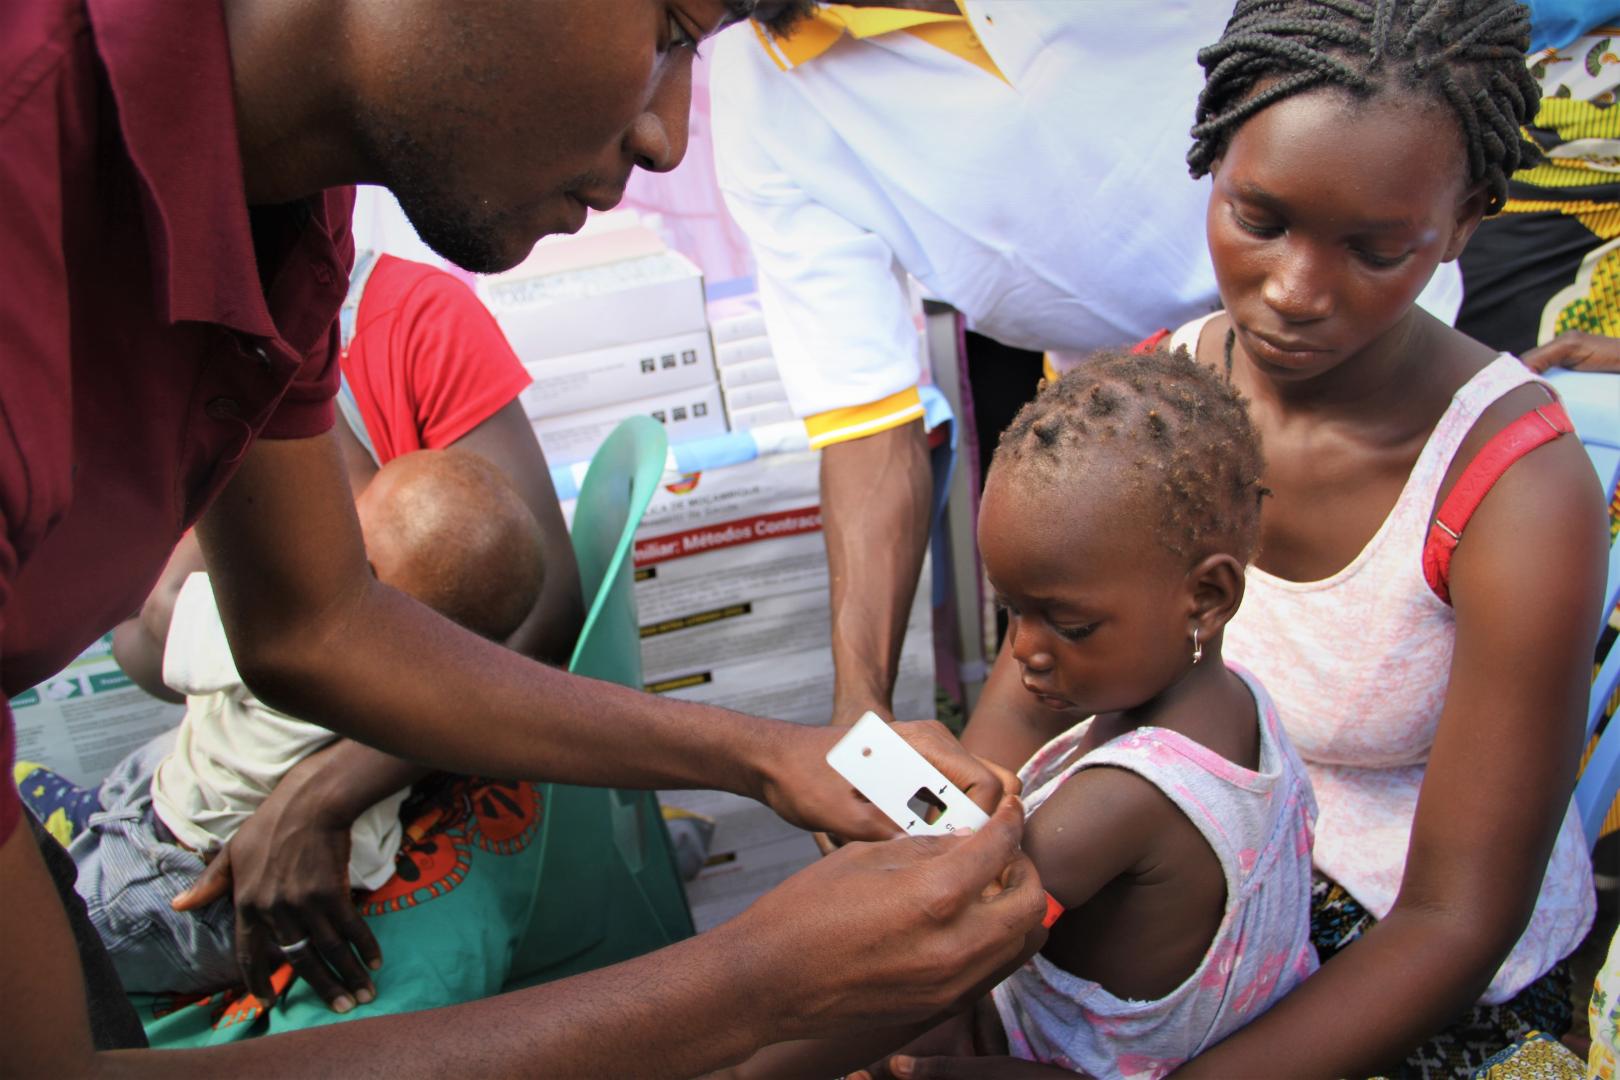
x=1468 y=55
x=1182 y=436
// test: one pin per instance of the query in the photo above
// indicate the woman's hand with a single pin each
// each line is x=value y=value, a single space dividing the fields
x=288 y=869
x=1578 y=351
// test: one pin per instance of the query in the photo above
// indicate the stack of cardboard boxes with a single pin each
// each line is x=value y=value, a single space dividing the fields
x=749 y=379
x=608 y=325
x=731 y=568
x=731 y=590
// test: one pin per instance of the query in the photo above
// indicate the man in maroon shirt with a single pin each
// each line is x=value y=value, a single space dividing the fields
x=175 y=240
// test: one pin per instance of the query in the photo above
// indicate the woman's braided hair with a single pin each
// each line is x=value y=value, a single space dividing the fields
x=1180 y=436
x=1467 y=54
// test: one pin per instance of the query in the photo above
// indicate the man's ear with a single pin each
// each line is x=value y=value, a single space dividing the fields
x=1470 y=212
x=1216 y=588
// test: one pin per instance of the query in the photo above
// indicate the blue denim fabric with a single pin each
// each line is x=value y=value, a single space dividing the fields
x=129 y=869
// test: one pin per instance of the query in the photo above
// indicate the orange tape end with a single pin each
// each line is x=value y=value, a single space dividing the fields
x=1054 y=911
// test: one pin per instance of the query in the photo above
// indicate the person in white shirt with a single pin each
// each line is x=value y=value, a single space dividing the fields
x=444 y=526
x=1024 y=161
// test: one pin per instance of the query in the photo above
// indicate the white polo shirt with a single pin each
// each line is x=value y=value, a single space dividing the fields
x=1044 y=194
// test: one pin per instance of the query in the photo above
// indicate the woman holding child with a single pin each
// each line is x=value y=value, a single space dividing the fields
x=1433 y=685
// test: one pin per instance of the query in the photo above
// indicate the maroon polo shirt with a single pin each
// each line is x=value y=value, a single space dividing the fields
x=151 y=326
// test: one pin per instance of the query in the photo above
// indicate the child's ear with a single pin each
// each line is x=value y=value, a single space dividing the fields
x=1217 y=590
x=1470 y=212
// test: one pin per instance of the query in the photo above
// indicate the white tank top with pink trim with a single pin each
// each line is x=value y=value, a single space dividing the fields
x=1358 y=665
x=1258 y=824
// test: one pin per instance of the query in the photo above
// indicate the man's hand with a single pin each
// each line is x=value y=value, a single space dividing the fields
x=1578 y=351
x=288 y=867
x=801 y=787
x=891 y=933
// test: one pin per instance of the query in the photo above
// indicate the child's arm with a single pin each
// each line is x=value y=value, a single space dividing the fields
x=1005 y=727
x=1100 y=824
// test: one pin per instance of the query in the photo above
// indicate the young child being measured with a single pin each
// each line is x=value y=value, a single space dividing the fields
x=444 y=526
x=1166 y=811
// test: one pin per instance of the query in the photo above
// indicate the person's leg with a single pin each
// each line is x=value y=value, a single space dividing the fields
x=130 y=867
x=1337 y=919
x=113 y=1022
x=63 y=807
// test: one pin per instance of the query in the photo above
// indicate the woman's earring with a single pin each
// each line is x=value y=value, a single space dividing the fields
x=1198 y=647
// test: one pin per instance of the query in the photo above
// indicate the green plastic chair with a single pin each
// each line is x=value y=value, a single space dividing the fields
x=608 y=887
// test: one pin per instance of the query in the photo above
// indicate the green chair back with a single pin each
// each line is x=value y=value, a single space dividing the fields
x=608 y=889
x=620 y=483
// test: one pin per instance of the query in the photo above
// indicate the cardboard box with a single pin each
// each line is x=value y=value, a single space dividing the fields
x=736 y=317
x=694 y=413
x=741 y=352
x=754 y=371
x=547 y=308
x=566 y=384
x=774 y=412
x=761 y=393
x=731 y=594
x=731 y=590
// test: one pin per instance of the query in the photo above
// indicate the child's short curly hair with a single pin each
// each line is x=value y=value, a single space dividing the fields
x=1178 y=432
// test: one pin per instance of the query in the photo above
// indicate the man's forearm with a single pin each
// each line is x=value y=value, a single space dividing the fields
x=875 y=500
x=679 y=1012
x=391 y=673
x=316 y=635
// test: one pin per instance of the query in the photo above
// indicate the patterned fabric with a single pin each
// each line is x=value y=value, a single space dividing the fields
x=1574 y=125
x=1579 y=128
x=1259 y=826
x=1603 y=1015
x=61 y=806
x=1538 y=1056
x=1542 y=1006
x=448 y=921
x=1550 y=262
x=1358 y=664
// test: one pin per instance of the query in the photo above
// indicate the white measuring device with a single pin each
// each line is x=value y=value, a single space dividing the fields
x=899 y=781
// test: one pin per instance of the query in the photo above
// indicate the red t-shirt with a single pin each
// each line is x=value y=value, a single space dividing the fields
x=427 y=363
x=150 y=326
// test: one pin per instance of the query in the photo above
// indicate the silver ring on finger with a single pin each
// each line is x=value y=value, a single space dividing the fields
x=296 y=947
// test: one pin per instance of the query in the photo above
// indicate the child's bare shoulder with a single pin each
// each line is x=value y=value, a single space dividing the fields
x=1102 y=822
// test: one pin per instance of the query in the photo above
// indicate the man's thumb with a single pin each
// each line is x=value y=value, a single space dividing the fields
x=214 y=883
